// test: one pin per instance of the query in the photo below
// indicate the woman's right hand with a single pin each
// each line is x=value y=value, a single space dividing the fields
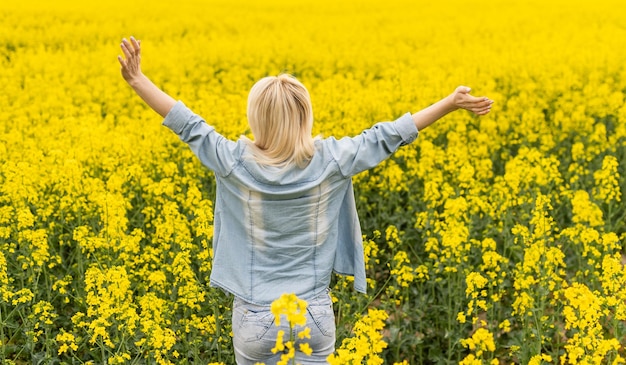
x=462 y=99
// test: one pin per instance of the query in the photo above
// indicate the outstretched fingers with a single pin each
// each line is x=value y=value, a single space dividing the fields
x=483 y=111
x=131 y=49
x=127 y=49
x=130 y=62
x=136 y=45
x=483 y=106
x=121 y=61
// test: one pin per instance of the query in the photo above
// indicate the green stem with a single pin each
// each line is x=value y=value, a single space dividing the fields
x=452 y=312
x=2 y=347
x=103 y=353
x=292 y=339
x=376 y=295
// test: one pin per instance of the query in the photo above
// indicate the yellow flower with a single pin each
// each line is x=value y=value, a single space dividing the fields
x=539 y=359
x=280 y=345
x=66 y=342
x=306 y=333
x=391 y=236
x=403 y=273
x=367 y=343
x=607 y=188
x=306 y=349
x=21 y=296
x=481 y=341
x=585 y=211
x=471 y=359
x=474 y=282
x=6 y=291
x=505 y=326
x=119 y=358
x=287 y=355
x=290 y=306
x=294 y=309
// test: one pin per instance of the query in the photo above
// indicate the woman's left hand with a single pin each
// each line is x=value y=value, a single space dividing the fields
x=131 y=63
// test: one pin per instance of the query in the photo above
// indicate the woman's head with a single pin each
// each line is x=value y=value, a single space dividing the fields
x=281 y=119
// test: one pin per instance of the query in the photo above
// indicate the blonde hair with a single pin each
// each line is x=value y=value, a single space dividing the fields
x=280 y=115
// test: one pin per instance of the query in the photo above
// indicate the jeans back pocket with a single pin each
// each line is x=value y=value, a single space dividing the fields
x=251 y=325
x=324 y=318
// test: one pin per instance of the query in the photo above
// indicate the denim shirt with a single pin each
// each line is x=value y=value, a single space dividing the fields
x=285 y=230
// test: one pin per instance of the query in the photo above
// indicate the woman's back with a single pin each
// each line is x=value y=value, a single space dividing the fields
x=309 y=211
x=277 y=229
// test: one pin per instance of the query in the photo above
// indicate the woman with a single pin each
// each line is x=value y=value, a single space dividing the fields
x=285 y=215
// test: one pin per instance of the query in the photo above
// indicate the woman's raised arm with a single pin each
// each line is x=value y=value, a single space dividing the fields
x=156 y=98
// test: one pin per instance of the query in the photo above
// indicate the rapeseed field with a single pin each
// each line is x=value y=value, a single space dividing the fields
x=490 y=240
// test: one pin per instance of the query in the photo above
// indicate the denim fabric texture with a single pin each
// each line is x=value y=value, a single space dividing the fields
x=285 y=230
x=255 y=332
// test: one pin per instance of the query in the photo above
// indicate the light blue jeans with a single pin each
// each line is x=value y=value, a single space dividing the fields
x=254 y=332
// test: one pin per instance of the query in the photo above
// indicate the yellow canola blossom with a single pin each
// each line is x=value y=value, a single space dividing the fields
x=366 y=345
x=292 y=307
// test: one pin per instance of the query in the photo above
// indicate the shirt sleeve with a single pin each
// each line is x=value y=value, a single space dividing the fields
x=214 y=150
x=373 y=145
